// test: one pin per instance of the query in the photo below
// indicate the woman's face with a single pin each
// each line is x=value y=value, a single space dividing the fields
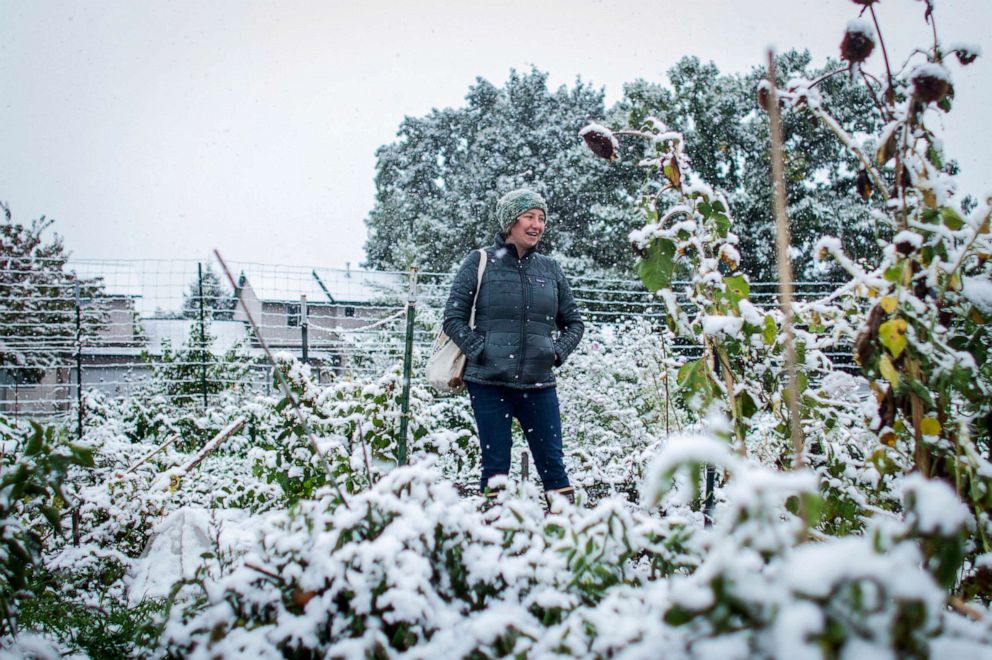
x=527 y=230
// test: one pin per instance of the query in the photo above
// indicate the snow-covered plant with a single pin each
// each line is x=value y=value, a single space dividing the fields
x=878 y=590
x=188 y=375
x=79 y=591
x=402 y=562
x=37 y=299
x=689 y=259
x=170 y=400
x=208 y=290
x=919 y=315
x=117 y=506
x=34 y=466
x=411 y=566
x=616 y=403
x=356 y=423
x=133 y=484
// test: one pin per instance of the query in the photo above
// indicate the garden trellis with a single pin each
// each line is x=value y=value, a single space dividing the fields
x=142 y=321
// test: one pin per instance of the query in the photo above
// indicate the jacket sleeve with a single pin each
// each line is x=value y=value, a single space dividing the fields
x=568 y=320
x=459 y=307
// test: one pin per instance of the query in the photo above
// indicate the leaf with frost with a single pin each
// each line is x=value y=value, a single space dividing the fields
x=737 y=289
x=951 y=218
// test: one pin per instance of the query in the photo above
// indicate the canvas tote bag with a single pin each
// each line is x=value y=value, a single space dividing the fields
x=446 y=365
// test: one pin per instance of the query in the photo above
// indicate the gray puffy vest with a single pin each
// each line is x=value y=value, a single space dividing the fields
x=526 y=318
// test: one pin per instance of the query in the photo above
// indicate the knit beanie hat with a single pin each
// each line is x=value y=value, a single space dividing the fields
x=514 y=203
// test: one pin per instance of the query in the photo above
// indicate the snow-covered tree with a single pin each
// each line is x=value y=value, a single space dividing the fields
x=187 y=371
x=218 y=301
x=37 y=300
x=437 y=185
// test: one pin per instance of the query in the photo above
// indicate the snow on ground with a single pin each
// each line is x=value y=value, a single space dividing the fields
x=177 y=544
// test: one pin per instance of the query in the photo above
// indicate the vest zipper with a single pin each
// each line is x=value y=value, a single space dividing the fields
x=523 y=318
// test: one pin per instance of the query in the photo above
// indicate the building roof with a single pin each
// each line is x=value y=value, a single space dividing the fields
x=288 y=283
x=161 y=284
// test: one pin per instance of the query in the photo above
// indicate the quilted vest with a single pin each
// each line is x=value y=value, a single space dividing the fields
x=526 y=318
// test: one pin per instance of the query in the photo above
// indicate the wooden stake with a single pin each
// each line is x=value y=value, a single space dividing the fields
x=172 y=438
x=782 y=242
x=164 y=482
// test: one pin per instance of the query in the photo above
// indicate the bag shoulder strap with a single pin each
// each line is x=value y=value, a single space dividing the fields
x=478 y=285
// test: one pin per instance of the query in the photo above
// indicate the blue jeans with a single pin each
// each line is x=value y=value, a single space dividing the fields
x=539 y=417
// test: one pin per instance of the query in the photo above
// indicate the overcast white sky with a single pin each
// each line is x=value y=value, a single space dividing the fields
x=165 y=129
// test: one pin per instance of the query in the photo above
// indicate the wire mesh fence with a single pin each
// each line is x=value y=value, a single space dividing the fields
x=114 y=326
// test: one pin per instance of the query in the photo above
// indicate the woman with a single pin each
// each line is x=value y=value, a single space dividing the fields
x=526 y=322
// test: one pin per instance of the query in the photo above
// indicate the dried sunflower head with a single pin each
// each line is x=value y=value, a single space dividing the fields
x=858 y=42
x=601 y=141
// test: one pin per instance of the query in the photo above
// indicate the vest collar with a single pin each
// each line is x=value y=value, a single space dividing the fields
x=511 y=250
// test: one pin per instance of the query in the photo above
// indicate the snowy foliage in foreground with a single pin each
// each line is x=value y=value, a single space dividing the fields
x=411 y=567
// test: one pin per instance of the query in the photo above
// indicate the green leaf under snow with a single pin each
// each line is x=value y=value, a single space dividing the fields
x=82 y=455
x=51 y=515
x=35 y=441
x=813 y=506
x=951 y=218
x=893 y=273
x=737 y=289
x=770 y=331
x=693 y=379
x=657 y=265
x=722 y=223
x=746 y=407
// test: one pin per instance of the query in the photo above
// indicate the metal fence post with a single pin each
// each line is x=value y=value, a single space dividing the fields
x=75 y=525
x=411 y=313
x=79 y=362
x=304 y=322
x=708 y=501
x=203 y=337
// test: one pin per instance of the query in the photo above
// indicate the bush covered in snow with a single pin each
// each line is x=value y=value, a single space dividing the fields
x=357 y=426
x=35 y=464
x=916 y=317
x=409 y=566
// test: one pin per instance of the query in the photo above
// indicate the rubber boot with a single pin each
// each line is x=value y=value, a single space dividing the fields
x=567 y=492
